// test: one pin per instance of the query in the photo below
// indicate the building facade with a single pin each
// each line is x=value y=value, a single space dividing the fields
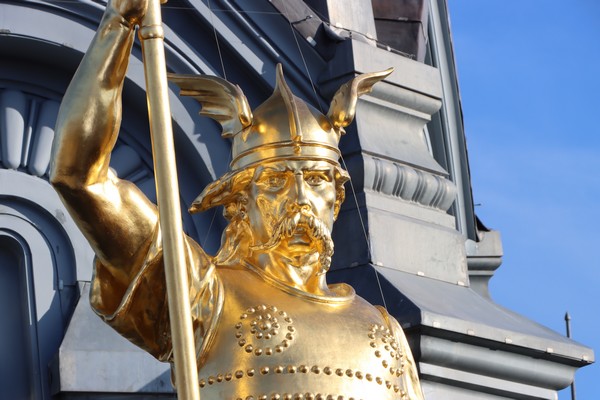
x=407 y=236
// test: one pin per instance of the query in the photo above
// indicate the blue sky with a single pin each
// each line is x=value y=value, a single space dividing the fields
x=529 y=76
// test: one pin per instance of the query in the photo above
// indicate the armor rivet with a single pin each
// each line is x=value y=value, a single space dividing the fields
x=273 y=308
x=369 y=377
x=287 y=396
x=291 y=329
x=315 y=369
x=239 y=373
x=276 y=325
x=262 y=307
x=253 y=331
x=259 y=335
x=393 y=354
x=371 y=336
x=387 y=347
x=211 y=380
x=330 y=397
x=250 y=372
x=244 y=316
x=275 y=396
x=377 y=353
x=285 y=343
x=242 y=342
x=327 y=370
x=238 y=335
x=399 y=372
x=291 y=369
x=278 y=369
x=396 y=388
x=309 y=396
x=220 y=378
x=202 y=383
x=228 y=376
x=359 y=374
x=278 y=349
x=319 y=397
x=265 y=326
x=373 y=345
x=388 y=384
x=303 y=369
x=384 y=363
x=392 y=370
x=249 y=348
x=258 y=352
x=249 y=397
x=264 y=370
x=262 y=397
x=339 y=372
x=379 y=380
x=267 y=336
x=289 y=336
x=282 y=313
x=251 y=310
x=288 y=319
x=268 y=351
x=238 y=325
x=349 y=373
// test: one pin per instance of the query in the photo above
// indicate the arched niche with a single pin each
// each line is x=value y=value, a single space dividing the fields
x=40 y=250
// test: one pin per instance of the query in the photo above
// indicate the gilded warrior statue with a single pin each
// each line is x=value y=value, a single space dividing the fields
x=266 y=324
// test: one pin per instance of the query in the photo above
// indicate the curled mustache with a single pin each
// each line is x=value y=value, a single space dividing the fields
x=316 y=229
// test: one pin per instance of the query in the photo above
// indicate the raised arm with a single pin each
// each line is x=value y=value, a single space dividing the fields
x=114 y=215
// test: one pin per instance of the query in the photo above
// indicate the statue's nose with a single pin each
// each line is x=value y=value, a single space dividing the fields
x=299 y=191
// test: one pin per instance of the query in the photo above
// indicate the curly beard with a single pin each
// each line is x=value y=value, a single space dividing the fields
x=301 y=218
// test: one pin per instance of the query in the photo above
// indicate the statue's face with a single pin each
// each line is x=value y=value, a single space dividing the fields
x=280 y=189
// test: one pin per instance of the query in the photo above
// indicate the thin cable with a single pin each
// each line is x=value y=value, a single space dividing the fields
x=216 y=39
x=379 y=43
x=364 y=229
x=314 y=89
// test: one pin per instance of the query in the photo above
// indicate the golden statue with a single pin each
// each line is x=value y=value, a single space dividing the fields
x=266 y=324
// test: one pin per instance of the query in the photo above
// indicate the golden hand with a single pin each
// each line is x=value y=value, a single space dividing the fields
x=131 y=10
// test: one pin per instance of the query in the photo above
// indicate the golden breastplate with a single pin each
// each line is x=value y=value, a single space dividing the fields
x=273 y=344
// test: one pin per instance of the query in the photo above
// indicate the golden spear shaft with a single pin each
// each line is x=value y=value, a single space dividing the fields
x=152 y=35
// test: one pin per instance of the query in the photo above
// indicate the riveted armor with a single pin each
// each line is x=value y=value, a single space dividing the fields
x=272 y=343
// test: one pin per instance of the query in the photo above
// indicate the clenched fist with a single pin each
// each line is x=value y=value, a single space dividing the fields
x=132 y=10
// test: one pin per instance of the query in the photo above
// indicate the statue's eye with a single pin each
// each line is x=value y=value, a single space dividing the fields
x=273 y=181
x=276 y=181
x=315 y=179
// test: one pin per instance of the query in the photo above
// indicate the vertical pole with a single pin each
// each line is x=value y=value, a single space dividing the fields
x=152 y=35
x=568 y=324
